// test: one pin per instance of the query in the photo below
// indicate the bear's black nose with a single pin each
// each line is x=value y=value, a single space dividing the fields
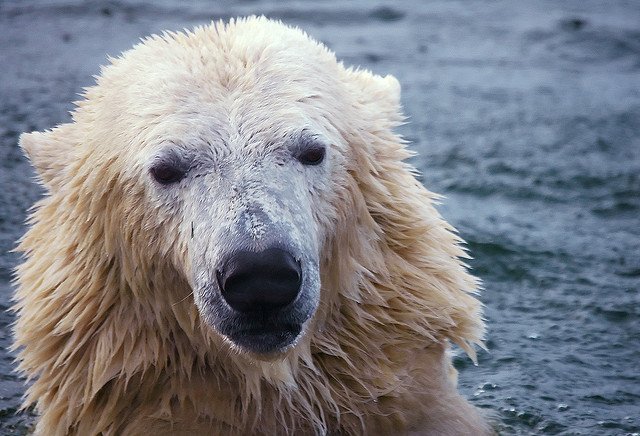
x=260 y=281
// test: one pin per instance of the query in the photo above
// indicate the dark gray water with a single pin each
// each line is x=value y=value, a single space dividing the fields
x=526 y=115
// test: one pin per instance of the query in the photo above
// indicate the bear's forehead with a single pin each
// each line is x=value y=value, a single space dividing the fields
x=216 y=80
x=219 y=63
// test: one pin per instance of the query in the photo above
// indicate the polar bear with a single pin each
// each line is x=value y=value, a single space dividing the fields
x=232 y=243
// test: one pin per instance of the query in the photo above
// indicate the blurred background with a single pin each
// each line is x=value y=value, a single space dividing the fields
x=525 y=115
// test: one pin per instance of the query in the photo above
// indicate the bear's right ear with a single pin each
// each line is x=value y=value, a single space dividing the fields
x=50 y=152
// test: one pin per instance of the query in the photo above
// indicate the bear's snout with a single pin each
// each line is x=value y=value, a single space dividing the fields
x=269 y=295
x=262 y=281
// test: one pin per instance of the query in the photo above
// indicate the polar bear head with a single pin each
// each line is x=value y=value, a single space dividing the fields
x=223 y=159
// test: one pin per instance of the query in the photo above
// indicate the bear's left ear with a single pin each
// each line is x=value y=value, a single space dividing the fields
x=50 y=152
x=379 y=94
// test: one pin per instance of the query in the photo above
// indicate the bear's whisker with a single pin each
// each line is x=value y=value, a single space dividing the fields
x=182 y=299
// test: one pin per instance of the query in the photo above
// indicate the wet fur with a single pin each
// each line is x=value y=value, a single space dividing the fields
x=107 y=327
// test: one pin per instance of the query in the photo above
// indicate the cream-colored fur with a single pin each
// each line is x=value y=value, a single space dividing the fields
x=107 y=328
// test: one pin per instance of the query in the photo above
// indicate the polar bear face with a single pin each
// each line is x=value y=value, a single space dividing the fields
x=244 y=173
x=225 y=160
x=249 y=203
x=237 y=162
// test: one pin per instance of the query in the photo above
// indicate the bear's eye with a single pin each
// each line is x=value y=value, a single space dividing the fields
x=167 y=172
x=312 y=154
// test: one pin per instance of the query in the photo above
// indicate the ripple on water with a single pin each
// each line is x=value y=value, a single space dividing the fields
x=576 y=40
